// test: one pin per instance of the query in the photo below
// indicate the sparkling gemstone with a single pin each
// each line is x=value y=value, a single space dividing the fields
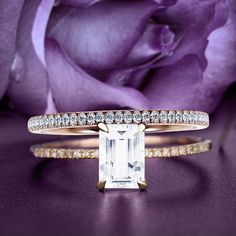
x=191 y=117
x=137 y=117
x=65 y=120
x=58 y=120
x=41 y=122
x=91 y=118
x=163 y=117
x=145 y=117
x=51 y=120
x=154 y=117
x=109 y=117
x=179 y=116
x=185 y=116
x=171 y=117
x=99 y=117
x=73 y=119
x=45 y=121
x=121 y=156
x=82 y=118
x=195 y=117
x=127 y=117
x=118 y=117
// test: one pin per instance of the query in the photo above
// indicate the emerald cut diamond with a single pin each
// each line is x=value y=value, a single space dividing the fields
x=121 y=156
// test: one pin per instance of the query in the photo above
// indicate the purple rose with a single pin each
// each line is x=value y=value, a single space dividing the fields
x=73 y=55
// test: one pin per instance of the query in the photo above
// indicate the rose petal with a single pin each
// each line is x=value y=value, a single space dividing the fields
x=74 y=90
x=9 y=16
x=29 y=86
x=197 y=19
x=101 y=36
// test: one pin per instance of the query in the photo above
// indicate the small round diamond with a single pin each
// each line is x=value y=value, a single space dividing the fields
x=65 y=120
x=185 y=116
x=41 y=122
x=82 y=119
x=154 y=117
x=118 y=117
x=99 y=117
x=191 y=117
x=91 y=118
x=127 y=117
x=145 y=117
x=58 y=120
x=137 y=117
x=45 y=121
x=171 y=117
x=109 y=117
x=179 y=116
x=163 y=117
x=51 y=120
x=73 y=119
x=195 y=117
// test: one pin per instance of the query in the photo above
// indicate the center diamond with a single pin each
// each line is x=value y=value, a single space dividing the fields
x=121 y=156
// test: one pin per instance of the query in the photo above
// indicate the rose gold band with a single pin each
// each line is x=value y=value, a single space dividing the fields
x=77 y=123
x=156 y=147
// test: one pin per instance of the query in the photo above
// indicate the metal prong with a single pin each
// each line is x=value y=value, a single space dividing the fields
x=103 y=127
x=142 y=185
x=101 y=185
x=141 y=127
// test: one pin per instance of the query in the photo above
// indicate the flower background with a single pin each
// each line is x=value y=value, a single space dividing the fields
x=73 y=55
x=76 y=55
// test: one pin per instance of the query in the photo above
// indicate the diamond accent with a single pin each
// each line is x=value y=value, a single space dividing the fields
x=163 y=117
x=58 y=120
x=146 y=117
x=137 y=117
x=118 y=117
x=154 y=117
x=65 y=120
x=99 y=117
x=51 y=120
x=191 y=117
x=171 y=117
x=185 y=116
x=91 y=118
x=179 y=116
x=73 y=119
x=127 y=117
x=82 y=119
x=109 y=117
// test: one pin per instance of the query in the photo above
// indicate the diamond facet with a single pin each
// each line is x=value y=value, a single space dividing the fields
x=154 y=117
x=121 y=156
x=163 y=117
x=91 y=118
x=145 y=117
x=127 y=117
x=109 y=117
x=73 y=119
x=82 y=119
x=118 y=117
x=171 y=117
x=65 y=120
x=137 y=117
x=99 y=117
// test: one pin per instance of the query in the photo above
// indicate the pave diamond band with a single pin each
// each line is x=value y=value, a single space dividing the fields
x=87 y=148
x=86 y=122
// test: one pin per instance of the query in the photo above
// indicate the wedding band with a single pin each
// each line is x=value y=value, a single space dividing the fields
x=88 y=148
x=77 y=123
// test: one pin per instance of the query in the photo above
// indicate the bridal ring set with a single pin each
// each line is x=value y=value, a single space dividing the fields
x=126 y=139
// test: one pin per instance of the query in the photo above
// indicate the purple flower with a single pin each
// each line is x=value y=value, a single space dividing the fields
x=73 y=55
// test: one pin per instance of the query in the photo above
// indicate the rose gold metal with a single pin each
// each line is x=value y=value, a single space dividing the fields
x=156 y=147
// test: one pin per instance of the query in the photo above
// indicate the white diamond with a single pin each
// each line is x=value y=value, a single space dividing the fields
x=58 y=120
x=154 y=117
x=45 y=121
x=99 y=117
x=118 y=117
x=127 y=117
x=185 y=117
x=179 y=116
x=51 y=120
x=121 y=156
x=65 y=120
x=91 y=118
x=137 y=117
x=82 y=119
x=73 y=119
x=145 y=117
x=109 y=117
x=163 y=117
x=41 y=122
x=191 y=117
x=171 y=117
x=195 y=117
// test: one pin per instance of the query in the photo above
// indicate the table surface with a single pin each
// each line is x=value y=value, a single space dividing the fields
x=185 y=195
